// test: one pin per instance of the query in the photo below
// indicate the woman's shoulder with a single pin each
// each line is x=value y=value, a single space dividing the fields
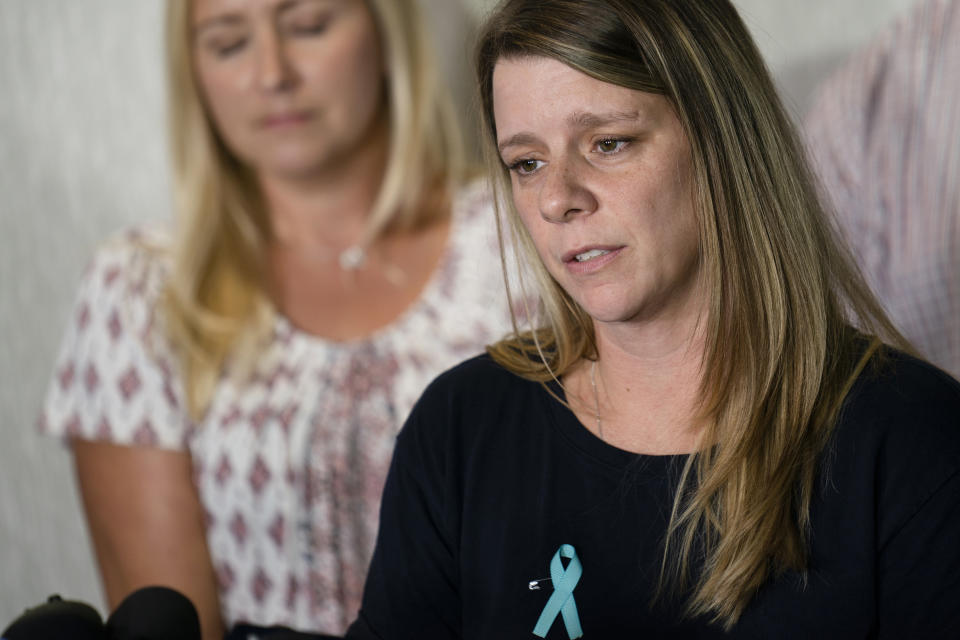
x=469 y=395
x=471 y=409
x=476 y=240
x=115 y=377
x=479 y=377
x=134 y=262
x=473 y=213
x=125 y=279
x=901 y=419
x=150 y=242
x=896 y=388
x=473 y=197
x=467 y=292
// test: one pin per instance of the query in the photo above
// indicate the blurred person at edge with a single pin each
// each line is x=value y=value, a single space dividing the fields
x=232 y=388
x=884 y=136
x=714 y=431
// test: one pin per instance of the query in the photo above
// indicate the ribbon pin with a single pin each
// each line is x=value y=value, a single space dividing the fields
x=561 y=600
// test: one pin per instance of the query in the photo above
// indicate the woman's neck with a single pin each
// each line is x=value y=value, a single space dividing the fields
x=320 y=275
x=327 y=208
x=646 y=386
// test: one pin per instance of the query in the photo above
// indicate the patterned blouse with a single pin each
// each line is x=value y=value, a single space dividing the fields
x=290 y=464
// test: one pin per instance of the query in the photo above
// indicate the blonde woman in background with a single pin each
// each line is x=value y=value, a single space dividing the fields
x=706 y=437
x=232 y=389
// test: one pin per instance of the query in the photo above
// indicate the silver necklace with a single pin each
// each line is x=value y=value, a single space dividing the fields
x=352 y=258
x=596 y=398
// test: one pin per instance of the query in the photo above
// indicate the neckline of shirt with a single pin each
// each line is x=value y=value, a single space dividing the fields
x=589 y=443
x=283 y=327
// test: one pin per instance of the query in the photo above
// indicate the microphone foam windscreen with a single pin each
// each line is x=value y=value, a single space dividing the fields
x=57 y=619
x=154 y=613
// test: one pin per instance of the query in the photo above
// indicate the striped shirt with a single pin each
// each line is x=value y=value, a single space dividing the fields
x=884 y=136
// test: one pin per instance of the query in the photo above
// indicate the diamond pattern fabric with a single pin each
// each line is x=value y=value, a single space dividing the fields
x=290 y=463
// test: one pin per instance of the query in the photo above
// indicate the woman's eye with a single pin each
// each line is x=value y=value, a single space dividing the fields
x=610 y=145
x=525 y=166
x=308 y=25
x=310 y=28
x=228 y=48
x=316 y=27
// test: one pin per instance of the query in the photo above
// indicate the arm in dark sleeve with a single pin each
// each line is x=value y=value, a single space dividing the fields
x=919 y=571
x=412 y=588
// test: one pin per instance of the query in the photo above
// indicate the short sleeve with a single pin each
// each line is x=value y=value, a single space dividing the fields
x=114 y=379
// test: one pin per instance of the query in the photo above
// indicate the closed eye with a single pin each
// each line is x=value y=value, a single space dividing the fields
x=227 y=49
x=306 y=19
x=311 y=27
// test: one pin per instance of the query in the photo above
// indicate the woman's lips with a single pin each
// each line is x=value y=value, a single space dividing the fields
x=590 y=259
x=288 y=119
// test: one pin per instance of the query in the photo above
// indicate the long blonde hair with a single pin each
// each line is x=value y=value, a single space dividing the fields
x=783 y=290
x=215 y=303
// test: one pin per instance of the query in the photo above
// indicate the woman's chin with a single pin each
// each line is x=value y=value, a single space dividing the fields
x=293 y=164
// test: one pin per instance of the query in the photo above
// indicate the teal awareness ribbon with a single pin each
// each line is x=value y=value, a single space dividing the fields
x=561 y=600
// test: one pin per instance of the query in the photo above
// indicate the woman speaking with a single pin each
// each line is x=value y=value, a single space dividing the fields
x=712 y=429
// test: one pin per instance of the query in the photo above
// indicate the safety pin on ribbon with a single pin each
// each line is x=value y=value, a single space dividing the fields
x=533 y=585
x=561 y=601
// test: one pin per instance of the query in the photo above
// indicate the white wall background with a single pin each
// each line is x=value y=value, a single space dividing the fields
x=82 y=153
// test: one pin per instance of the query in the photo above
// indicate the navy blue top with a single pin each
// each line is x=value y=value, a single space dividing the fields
x=492 y=474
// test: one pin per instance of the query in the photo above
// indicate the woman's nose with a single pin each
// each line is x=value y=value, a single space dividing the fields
x=565 y=193
x=274 y=69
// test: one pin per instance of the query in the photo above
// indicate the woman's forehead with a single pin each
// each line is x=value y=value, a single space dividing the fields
x=532 y=88
x=203 y=9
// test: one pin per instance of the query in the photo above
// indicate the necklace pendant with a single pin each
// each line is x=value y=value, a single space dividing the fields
x=352 y=258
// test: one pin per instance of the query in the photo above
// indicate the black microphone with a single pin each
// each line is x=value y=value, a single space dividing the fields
x=57 y=619
x=150 y=613
x=154 y=613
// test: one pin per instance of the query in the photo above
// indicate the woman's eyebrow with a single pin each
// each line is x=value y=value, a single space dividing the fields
x=290 y=4
x=577 y=120
x=516 y=141
x=226 y=19
x=589 y=120
x=233 y=19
